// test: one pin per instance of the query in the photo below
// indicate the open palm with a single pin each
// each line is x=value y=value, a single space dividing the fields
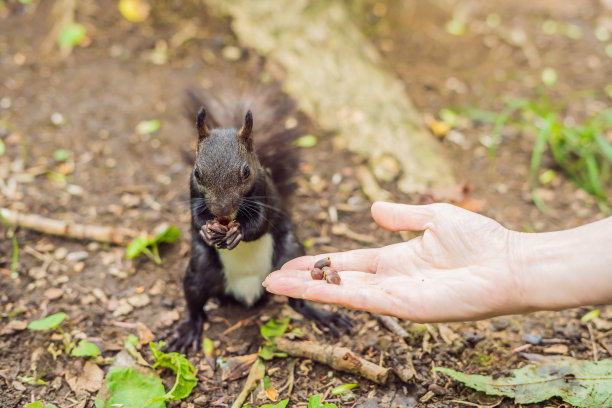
x=459 y=269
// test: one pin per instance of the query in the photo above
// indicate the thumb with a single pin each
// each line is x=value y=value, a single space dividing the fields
x=403 y=217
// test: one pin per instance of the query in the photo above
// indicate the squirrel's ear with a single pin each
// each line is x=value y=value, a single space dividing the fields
x=201 y=125
x=246 y=132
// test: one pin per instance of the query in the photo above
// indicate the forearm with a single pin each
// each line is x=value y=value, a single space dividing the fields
x=565 y=269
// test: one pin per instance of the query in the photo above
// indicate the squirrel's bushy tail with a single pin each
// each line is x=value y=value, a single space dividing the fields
x=274 y=142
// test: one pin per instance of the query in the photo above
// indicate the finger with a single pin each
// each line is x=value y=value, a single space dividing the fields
x=364 y=260
x=354 y=291
x=402 y=217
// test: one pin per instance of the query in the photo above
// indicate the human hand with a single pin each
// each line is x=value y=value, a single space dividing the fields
x=461 y=268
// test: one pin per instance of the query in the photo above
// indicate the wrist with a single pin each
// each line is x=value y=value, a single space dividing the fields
x=564 y=269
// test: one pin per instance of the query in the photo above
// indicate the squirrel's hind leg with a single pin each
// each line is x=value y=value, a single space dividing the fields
x=201 y=282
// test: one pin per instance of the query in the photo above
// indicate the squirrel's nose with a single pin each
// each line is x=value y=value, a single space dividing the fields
x=223 y=208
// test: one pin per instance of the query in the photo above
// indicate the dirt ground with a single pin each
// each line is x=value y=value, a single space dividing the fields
x=90 y=102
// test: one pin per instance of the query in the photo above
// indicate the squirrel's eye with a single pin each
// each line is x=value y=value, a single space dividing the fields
x=246 y=172
x=196 y=173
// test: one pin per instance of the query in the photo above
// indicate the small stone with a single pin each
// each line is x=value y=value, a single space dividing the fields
x=167 y=318
x=123 y=308
x=158 y=288
x=385 y=168
x=139 y=300
x=60 y=253
x=100 y=295
x=473 y=337
x=77 y=256
x=57 y=119
x=231 y=53
x=532 y=338
x=107 y=258
x=117 y=272
x=556 y=349
x=500 y=324
x=78 y=267
x=201 y=400
x=88 y=299
x=54 y=293
x=37 y=272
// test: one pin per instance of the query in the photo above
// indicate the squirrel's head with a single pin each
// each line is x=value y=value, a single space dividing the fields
x=226 y=165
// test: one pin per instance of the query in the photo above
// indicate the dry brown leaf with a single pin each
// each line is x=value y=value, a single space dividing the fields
x=237 y=367
x=13 y=326
x=144 y=334
x=272 y=393
x=88 y=379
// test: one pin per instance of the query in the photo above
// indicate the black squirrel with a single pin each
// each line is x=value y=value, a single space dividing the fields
x=241 y=229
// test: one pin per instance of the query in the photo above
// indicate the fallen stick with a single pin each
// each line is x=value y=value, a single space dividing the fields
x=391 y=323
x=338 y=358
x=113 y=235
x=258 y=370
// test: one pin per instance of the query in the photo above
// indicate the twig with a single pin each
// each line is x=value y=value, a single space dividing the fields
x=113 y=235
x=339 y=358
x=6 y=222
x=391 y=323
x=257 y=373
x=471 y=404
x=593 y=342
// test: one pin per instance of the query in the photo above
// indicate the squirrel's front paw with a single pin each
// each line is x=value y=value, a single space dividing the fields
x=233 y=236
x=213 y=232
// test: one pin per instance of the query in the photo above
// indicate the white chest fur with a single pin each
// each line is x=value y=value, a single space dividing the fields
x=246 y=266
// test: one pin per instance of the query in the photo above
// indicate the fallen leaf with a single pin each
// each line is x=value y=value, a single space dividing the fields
x=237 y=367
x=89 y=378
x=145 y=335
x=13 y=326
x=272 y=394
x=578 y=382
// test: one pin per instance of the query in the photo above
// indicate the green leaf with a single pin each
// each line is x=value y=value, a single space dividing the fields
x=2 y=147
x=32 y=380
x=314 y=401
x=547 y=176
x=590 y=315
x=268 y=352
x=274 y=328
x=147 y=126
x=185 y=372
x=130 y=388
x=280 y=404
x=48 y=322
x=549 y=76
x=342 y=388
x=35 y=404
x=61 y=155
x=135 y=247
x=306 y=141
x=85 y=349
x=577 y=382
x=71 y=35
x=169 y=235
x=208 y=347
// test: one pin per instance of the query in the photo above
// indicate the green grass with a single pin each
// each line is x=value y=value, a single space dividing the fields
x=581 y=150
